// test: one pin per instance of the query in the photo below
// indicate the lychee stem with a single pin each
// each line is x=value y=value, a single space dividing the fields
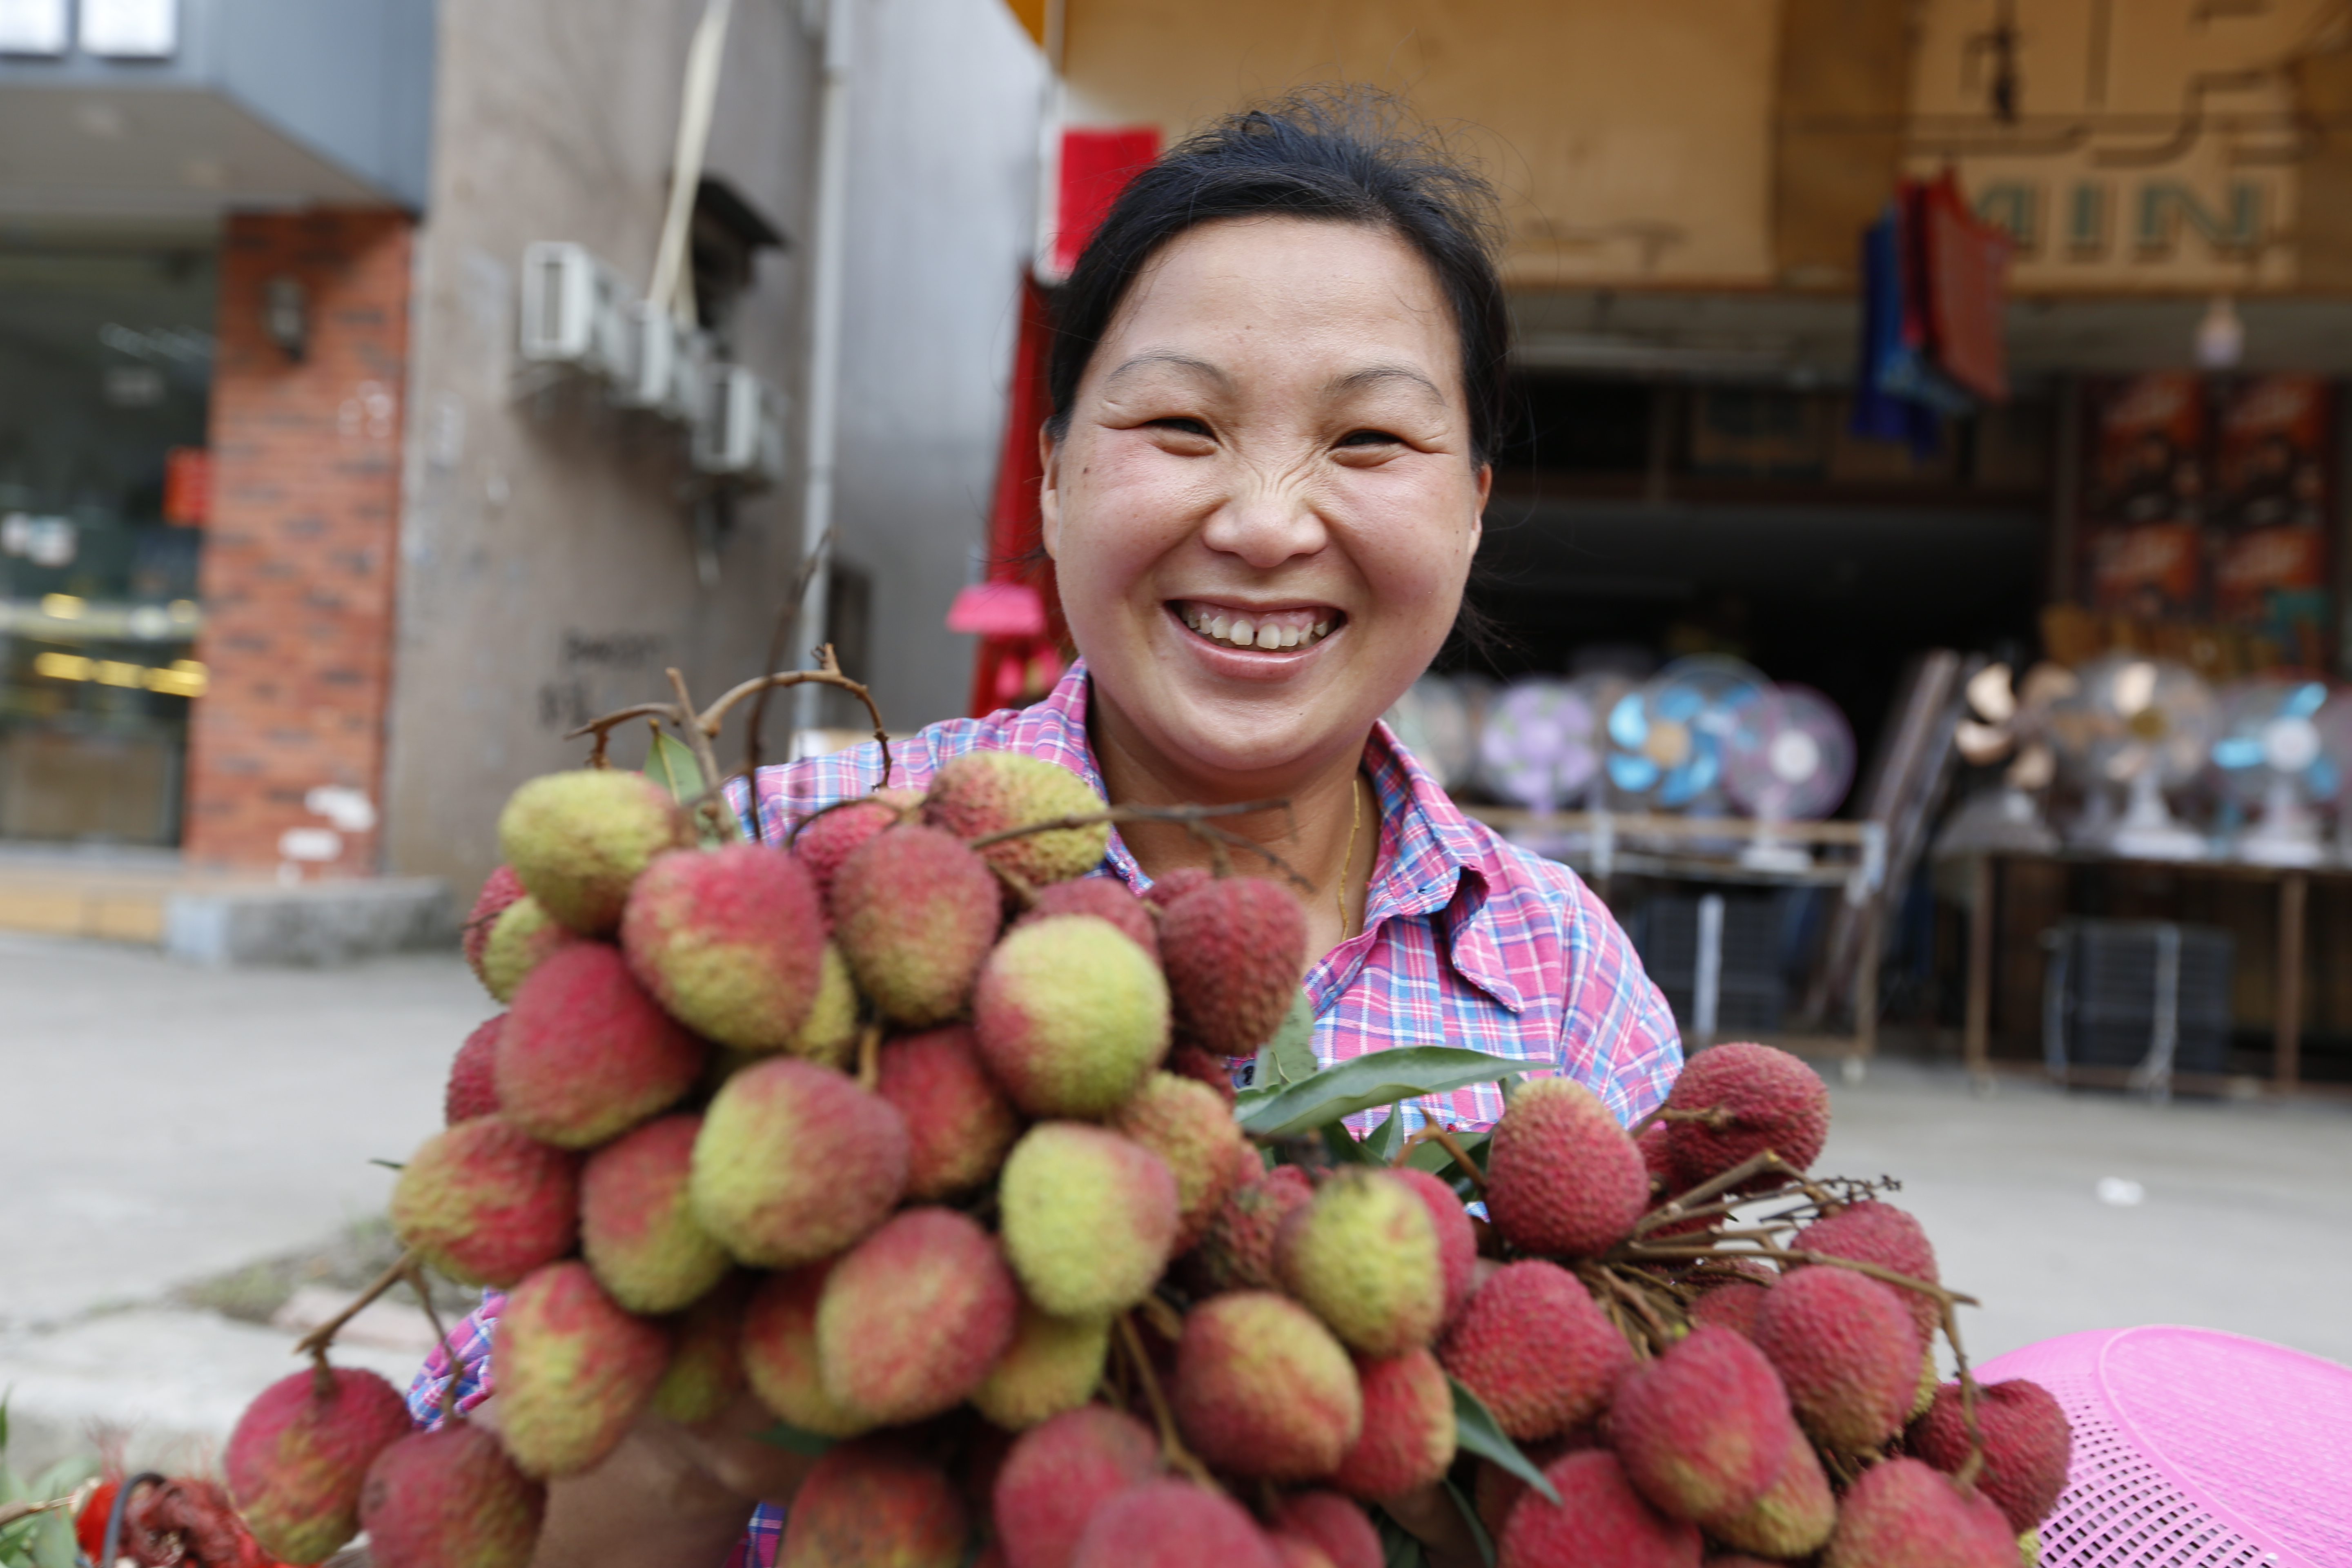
x=1966 y=1476
x=1172 y=1447
x=1659 y=1335
x=869 y=1056
x=1434 y=1133
x=788 y=615
x=416 y=1282
x=315 y=1342
x=1722 y=1181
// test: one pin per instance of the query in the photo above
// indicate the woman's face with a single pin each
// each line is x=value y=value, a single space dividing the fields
x=1264 y=510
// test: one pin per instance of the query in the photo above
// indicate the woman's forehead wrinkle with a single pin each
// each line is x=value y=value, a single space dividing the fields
x=1171 y=359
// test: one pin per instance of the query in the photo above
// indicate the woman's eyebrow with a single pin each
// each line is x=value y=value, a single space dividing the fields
x=1372 y=375
x=1149 y=358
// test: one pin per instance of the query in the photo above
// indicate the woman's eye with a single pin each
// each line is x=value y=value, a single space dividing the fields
x=1369 y=438
x=1182 y=426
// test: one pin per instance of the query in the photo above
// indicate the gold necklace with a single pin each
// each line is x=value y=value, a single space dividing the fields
x=1355 y=821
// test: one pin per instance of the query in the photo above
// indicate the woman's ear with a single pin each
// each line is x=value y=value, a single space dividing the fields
x=1478 y=516
x=1049 y=490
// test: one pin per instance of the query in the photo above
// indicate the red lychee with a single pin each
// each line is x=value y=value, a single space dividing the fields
x=1598 y=1519
x=1731 y=1304
x=636 y=1222
x=958 y=1123
x=825 y=840
x=1059 y=1473
x=450 y=1499
x=574 y=1371
x=1233 y=947
x=1845 y=1351
x=875 y=1502
x=473 y=1087
x=983 y=793
x=499 y=890
x=2028 y=1446
x=1236 y=1251
x=485 y=1204
x=1702 y=1430
x=780 y=1357
x=1261 y=1388
x=1194 y=1130
x=1457 y=1240
x=300 y=1453
x=585 y=1054
x=1793 y=1517
x=706 y=1365
x=1903 y=1515
x=1880 y=1233
x=1561 y=1176
x=1536 y=1350
x=1176 y=884
x=1407 y=1436
x=1335 y=1526
x=1756 y=1098
x=1186 y=1059
x=915 y=913
x=730 y=941
x=1172 y=1524
x=913 y=1317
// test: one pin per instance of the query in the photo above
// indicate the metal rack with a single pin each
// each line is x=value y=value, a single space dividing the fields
x=1603 y=846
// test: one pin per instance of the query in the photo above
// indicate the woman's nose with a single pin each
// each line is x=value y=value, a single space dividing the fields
x=1266 y=521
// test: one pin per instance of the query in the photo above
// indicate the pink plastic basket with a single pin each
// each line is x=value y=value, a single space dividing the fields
x=2195 y=1449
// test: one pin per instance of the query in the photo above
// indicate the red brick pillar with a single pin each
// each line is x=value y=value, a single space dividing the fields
x=301 y=551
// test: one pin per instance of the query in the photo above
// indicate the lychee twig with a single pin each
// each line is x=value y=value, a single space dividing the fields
x=1655 y=1330
x=315 y=1342
x=788 y=615
x=1434 y=1133
x=1172 y=1447
x=416 y=1282
x=828 y=674
x=869 y=1056
x=1679 y=1208
x=1966 y=1477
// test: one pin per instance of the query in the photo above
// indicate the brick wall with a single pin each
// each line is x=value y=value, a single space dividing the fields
x=300 y=558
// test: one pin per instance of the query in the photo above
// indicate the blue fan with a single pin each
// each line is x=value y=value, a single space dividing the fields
x=1666 y=739
x=2283 y=749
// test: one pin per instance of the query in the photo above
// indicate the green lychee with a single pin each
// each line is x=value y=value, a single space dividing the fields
x=913 y=1317
x=520 y=939
x=1053 y=1364
x=499 y=890
x=706 y=1361
x=1071 y=1015
x=1087 y=1217
x=794 y=1162
x=730 y=941
x=958 y=1123
x=586 y=1055
x=300 y=1453
x=1363 y=1257
x=983 y=793
x=450 y=1499
x=830 y=1034
x=485 y=1204
x=1263 y=1389
x=637 y=1228
x=780 y=1357
x=577 y=840
x=914 y=912
x=574 y=1371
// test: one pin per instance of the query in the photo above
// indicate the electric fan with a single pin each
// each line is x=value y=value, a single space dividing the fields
x=2012 y=723
x=2143 y=724
x=1788 y=756
x=1665 y=737
x=1433 y=721
x=2282 y=751
x=1537 y=747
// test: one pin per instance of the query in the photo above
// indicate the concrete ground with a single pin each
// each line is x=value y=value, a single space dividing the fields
x=167 y=1124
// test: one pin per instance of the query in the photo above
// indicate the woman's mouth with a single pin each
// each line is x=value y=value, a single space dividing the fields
x=1264 y=630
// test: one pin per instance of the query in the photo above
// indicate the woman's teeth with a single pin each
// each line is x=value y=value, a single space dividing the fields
x=1287 y=629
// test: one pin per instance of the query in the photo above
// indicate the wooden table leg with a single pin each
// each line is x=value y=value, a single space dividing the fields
x=2294 y=896
x=1980 y=1003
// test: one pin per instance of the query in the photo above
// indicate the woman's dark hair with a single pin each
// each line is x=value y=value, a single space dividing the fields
x=1341 y=156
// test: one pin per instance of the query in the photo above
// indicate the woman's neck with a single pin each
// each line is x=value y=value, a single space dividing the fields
x=1329 y=834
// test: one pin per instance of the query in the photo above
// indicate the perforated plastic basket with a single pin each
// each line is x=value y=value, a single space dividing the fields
x=2195 y=1449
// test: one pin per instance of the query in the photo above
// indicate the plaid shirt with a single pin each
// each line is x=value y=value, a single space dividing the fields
x=1467 y=941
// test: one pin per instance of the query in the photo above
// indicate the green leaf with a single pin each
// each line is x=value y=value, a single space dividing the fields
x=670 y=763
x=1476 y=1431
x=785 y=1435
x=53 y=1541
x=65 y=1475
x=1469 y=1512
x=1377 y=1078
x=1383 y=1141
x=1342 y=1144
x=1400 y=1547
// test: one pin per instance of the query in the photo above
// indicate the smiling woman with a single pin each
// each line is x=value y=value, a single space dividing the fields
x=1277 y=385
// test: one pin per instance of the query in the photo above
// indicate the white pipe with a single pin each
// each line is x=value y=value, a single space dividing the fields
x=673 y=285
x=828 y=266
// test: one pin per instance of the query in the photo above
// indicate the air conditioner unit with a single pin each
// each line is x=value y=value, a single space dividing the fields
x=743 y=431
x=673 y=367
x=576 y=312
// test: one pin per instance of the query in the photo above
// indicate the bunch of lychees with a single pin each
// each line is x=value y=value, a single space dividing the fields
x=926 y=1139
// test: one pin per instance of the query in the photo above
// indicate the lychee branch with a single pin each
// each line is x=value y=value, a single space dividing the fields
x=1433 y=1133
x=700 y=729
x=416 y=1282
x=1172 y=1447
x=314 y=1343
